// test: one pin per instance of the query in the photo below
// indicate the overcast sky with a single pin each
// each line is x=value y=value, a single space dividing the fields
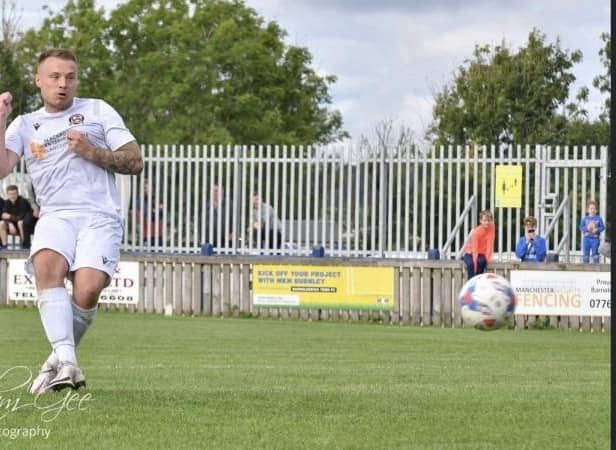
x=391 y=56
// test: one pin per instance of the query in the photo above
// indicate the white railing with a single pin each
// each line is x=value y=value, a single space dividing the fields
x=353 y=202
x=469 y=209
x=563 y=244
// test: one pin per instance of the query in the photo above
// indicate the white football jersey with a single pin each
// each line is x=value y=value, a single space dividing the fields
x=62 y=180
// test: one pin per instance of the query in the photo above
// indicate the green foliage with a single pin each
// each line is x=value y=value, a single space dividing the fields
x=501 y=96
x=602 y=82
x=11 y=73
x=199 y=71
x=565 y=130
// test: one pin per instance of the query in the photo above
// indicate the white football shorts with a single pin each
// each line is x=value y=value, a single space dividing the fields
x=84 y=239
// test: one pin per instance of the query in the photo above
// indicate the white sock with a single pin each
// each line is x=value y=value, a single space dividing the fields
x=57 y=318
x=82 y=319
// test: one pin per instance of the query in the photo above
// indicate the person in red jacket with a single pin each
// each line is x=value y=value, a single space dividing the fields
x=480 y=247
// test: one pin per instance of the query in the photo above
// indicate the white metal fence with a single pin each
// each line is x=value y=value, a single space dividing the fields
x=351 y=201
x=394 y=203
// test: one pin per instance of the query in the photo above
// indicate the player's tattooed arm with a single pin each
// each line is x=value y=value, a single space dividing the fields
x=126 y=159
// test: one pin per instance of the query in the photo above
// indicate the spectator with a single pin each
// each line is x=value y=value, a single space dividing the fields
x=150 y=215
x=605 y=249
x=530 y=246
x=266 y=226
x=220 y=234
x=26 y=190
x=480 y=247
x=16 y=218
x=591 y=227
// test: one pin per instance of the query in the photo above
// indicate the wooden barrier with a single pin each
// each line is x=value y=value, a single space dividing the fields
x=425 y=290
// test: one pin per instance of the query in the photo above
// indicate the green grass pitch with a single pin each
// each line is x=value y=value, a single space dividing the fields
x=193 y=382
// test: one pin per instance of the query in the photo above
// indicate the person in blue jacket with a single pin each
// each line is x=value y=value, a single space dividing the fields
x=591 y=227
x=531 y=247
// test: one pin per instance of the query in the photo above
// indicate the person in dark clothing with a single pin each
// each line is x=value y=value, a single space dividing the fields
x=150 y=216
x=16 y=218
x=220 y=232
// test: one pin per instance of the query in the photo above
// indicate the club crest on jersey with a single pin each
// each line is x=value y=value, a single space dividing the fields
x=37 y=126
x=76 y=119
x=38 y=150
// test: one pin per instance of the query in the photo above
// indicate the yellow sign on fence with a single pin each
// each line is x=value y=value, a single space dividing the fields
x=508 y=186
x=327 y=287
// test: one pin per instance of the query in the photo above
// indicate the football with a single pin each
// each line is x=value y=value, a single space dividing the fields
x=487 y=302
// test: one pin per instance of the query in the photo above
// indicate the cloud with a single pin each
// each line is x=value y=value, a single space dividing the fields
x=392 y=56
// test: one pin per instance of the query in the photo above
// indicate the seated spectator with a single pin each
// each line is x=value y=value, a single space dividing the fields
x=530 y=246
x=219 y=233
x=480 y=247
x=266 y=226
x=16 y=218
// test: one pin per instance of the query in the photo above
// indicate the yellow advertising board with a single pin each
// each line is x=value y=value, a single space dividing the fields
x=508 y=186
x=325 y=287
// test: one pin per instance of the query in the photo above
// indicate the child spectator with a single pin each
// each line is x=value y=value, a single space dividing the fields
x=531 y=247
x=480 y=247
x=591 y=227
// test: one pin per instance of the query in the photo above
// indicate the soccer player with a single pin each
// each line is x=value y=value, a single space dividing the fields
x=72 y=147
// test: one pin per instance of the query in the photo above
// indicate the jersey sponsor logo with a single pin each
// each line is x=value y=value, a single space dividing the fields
x=38 y=150
x=57 y=141
x=76 y=119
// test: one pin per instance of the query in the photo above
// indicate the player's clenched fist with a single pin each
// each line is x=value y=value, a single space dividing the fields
x=5 y=104
x=78 y=142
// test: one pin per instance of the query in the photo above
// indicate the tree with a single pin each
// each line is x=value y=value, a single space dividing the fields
x=80 y=27
x=11 y=73
x=194 y=72
x=602 y=82
x=573 y=126
x=501 y=96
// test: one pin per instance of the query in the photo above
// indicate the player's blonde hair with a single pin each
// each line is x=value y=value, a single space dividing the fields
x=62 y=53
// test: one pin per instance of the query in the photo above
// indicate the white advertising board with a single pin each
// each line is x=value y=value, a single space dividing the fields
x=552 y=293
x=123 y=289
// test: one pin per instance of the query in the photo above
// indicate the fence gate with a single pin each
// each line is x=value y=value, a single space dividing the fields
x=567 y=178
